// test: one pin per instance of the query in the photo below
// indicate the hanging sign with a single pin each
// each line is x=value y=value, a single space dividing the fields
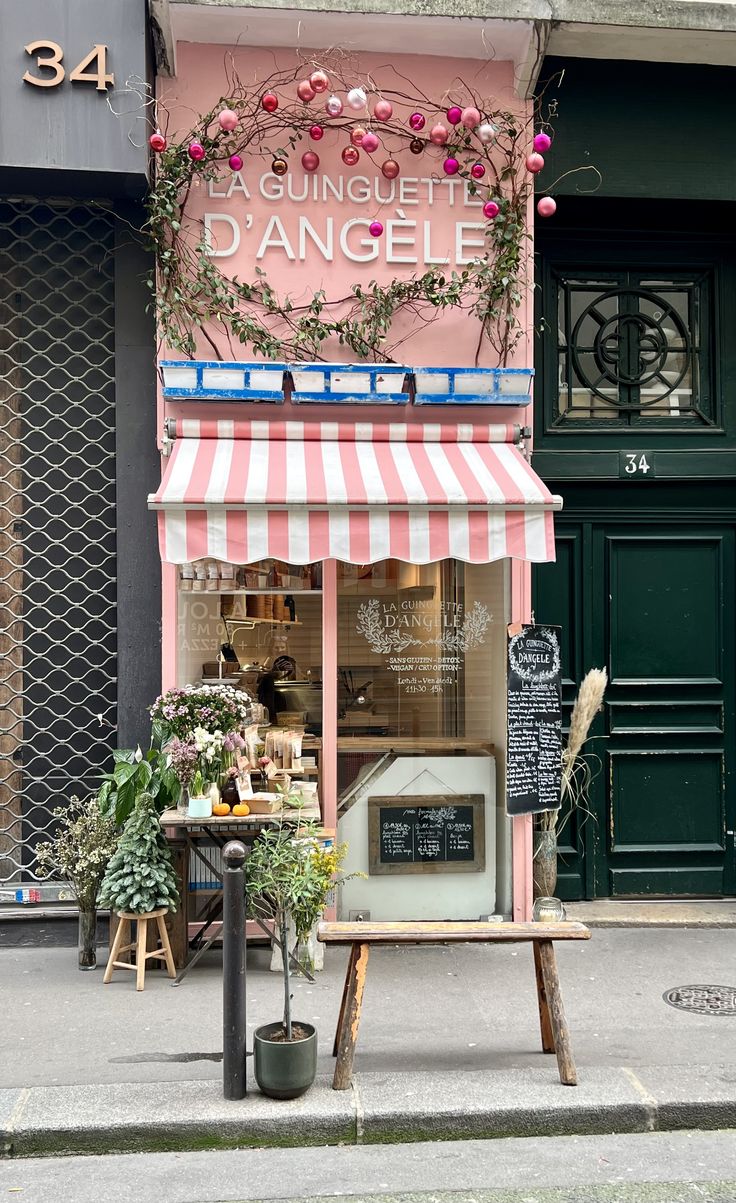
x=534 y=720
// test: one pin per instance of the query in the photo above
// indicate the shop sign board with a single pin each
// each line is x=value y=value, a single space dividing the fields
x=422 y=641
x=73 y=87
x=534 y=720
x=427 y=834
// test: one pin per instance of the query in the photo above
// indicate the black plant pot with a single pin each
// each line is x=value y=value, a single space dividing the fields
x=284 y=1069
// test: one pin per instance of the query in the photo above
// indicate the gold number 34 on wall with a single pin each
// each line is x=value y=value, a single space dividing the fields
x=52 y=61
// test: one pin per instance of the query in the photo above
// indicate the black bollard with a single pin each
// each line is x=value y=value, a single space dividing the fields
x=233 y=971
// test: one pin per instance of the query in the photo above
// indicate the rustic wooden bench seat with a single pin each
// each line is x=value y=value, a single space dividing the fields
x=362 y=936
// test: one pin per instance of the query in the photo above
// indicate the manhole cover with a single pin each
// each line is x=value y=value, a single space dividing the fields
x=705 y=1000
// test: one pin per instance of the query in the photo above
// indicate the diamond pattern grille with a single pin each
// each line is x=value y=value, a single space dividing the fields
x=58 y=685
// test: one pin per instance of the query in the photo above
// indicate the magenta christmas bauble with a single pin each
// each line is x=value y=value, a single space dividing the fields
x=270 y=102
x=390 y=169
x=542 y=142
x=305 y=91
x=196 y=151
x=228 y=120
x=383 y=110
x=319 y=81
x=375 y=229
x=451 y=166
x=334 y=106
x=546 y=206
x=478 y=171
x=491 y=209
x=470 y=117
x=279 y=167
x=157 y=142
x=316 y=132
x=310 y=160
x=357 y=135
x=350 y=156
x=534 y=163
x=454 y=114
x=370 y=142
x=417 y=121
x=235 y=162
x=438 y=135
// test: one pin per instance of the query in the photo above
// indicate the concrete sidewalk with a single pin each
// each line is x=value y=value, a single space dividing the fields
x=449 y=1048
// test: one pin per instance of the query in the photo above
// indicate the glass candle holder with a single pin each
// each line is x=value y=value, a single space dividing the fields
x=548 y=910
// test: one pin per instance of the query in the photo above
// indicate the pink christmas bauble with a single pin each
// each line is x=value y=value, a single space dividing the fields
x=357 y=135
x=305 y=91
x=542 y=142
x=319 y=81
x=438 y=135
x=470 y=117
x=417 y=121
x=334 y=106
x=235 y=162
x=370 y=142
x=454 y=114
x=451 y=166
x=228 y=120
x=491 y=209
x=375 y=229
x=310 y=160
x=478 y=171
x=157 y=142
x=390 y=169
x=383 y=110
x=196 y=151
x=350 y=156
x=270 y=102
x=316 y=132
x=546 y=206
x=534 y=163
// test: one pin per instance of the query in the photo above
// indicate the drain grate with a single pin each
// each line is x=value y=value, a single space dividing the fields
x=703 y=1000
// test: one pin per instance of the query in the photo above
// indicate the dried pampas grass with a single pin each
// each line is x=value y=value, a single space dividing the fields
x=575 y=773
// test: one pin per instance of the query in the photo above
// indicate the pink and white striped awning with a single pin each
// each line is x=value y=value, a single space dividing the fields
x=242 y=491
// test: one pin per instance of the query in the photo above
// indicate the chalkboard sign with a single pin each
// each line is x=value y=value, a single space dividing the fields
x=435 y=834
x=534 y=720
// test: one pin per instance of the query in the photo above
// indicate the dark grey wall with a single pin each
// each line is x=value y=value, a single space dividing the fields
x=72 y=127
x=138 y=474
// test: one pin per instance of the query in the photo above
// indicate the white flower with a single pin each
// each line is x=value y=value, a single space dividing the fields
x=138 y=756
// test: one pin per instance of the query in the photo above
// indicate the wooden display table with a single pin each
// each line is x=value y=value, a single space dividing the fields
x=362 y=936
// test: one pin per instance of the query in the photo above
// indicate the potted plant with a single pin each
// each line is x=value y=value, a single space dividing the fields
x=576 y=778
x=79 y=853
x=288 y=876
x=140 y=877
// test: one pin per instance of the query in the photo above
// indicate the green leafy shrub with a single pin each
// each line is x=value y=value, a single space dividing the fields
x=140 y=876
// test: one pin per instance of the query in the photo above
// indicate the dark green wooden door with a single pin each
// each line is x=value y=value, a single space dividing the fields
x=654 y=603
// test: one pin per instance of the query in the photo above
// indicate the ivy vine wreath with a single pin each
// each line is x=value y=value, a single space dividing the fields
x=282 y=122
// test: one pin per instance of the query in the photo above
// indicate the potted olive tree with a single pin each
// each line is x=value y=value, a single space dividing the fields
x=288 y=876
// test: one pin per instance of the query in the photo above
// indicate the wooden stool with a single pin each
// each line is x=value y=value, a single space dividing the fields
x=139 y=944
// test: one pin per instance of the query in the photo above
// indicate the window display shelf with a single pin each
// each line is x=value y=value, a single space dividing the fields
x=254 y=592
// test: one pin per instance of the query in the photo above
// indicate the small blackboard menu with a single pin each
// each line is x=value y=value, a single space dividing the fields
x=534 y=720
x=427 y=834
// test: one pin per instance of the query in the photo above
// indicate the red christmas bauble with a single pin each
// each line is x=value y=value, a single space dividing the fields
x=316 y=132
x=270 y=102
x=319 y=81
x=310 y=160
x=157 y=142
x=350 y=156
x=390 y=169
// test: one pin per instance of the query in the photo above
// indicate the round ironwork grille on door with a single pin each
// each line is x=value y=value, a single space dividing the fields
x=58 y=684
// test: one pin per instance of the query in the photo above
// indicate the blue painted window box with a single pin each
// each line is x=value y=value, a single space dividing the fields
x=349 y=384
x=472 y=386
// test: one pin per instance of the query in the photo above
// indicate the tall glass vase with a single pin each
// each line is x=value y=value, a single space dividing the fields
x=87 y=944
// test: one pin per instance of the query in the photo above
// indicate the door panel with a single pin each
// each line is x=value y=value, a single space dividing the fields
x=659 y=601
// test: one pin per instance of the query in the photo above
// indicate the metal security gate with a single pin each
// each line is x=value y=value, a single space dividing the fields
x=58 y=685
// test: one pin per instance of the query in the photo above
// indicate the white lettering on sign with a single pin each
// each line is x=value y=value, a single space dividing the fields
x=408 y=238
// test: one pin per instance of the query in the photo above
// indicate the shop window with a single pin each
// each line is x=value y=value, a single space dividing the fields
x=631 y=348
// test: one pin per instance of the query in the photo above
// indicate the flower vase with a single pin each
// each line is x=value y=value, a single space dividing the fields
x=87 y=942
x=544 y=865
x=200 y=806
x=182 y=805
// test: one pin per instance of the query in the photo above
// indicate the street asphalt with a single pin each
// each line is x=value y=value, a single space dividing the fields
x=449 y=1049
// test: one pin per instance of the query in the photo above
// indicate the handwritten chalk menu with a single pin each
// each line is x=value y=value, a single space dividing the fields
x=534 y=720
x=435 y=834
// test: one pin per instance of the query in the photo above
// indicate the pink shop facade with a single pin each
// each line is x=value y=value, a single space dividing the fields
x=349 y=535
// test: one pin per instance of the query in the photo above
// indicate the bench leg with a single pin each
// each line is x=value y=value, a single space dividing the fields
x=560 y=1033
x=348 y=975
x=347 y=1034
x=545 y=1023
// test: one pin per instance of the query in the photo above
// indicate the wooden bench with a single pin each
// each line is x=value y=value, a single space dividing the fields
x=362 y=936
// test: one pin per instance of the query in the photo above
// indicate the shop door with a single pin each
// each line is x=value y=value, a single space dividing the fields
x=653 y=603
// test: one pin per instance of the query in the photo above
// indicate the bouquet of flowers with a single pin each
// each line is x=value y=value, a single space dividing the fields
x=215 y=751
x=183 y=758
x=211 y=708
x=79 y=852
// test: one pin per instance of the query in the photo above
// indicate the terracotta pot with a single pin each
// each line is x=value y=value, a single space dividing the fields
x=544 y=865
